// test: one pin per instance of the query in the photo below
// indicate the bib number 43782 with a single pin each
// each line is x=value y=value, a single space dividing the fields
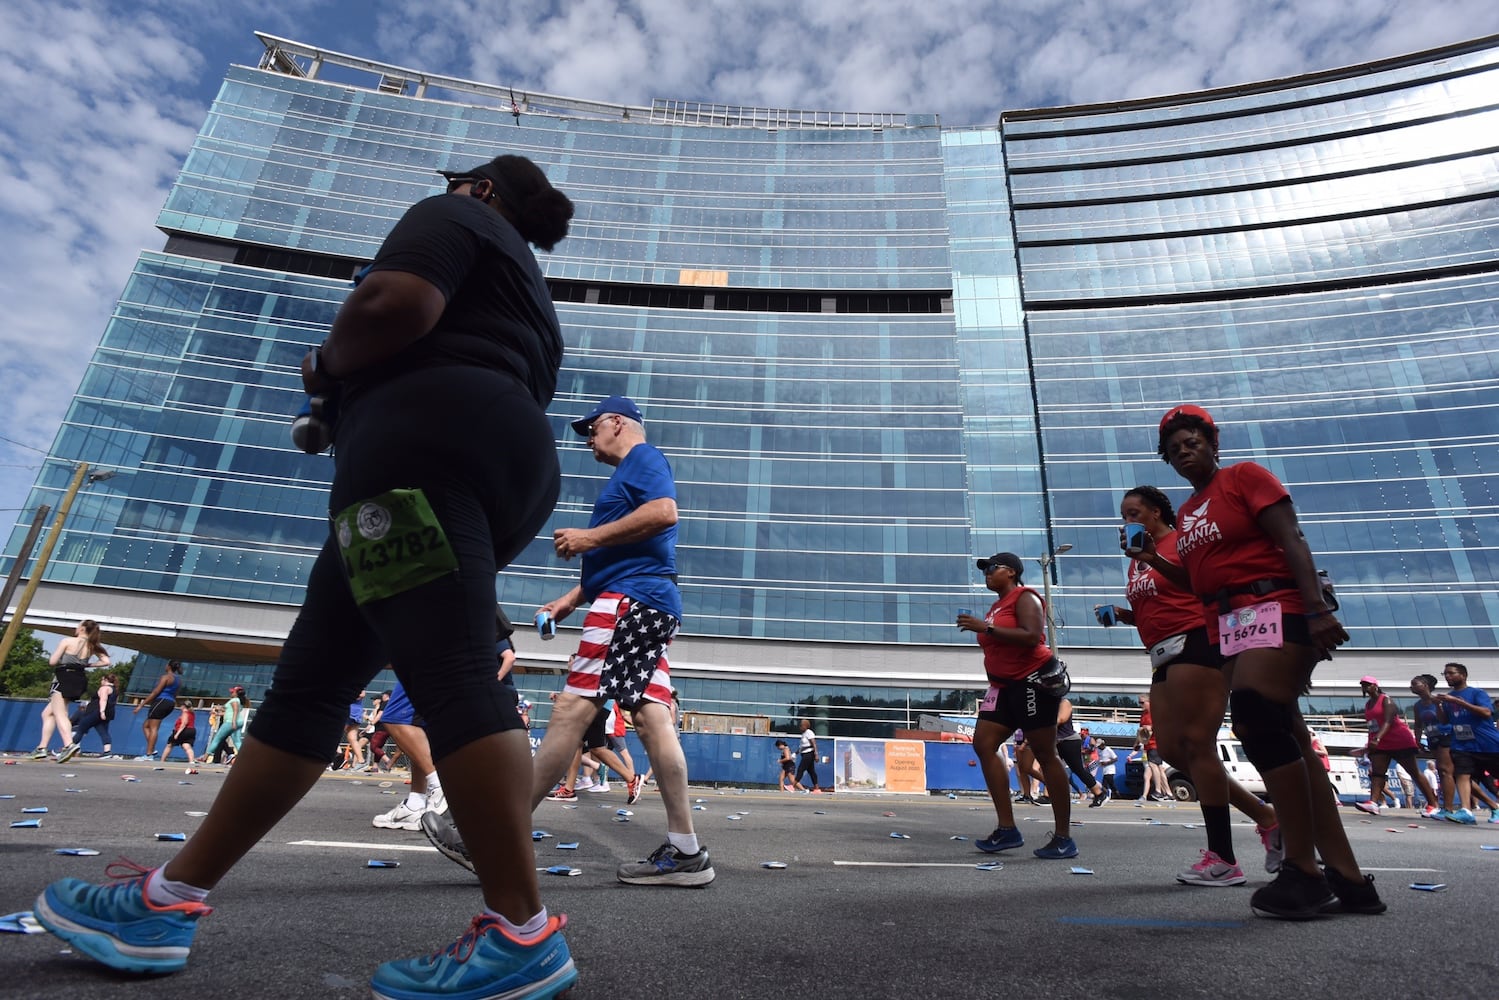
x=1255 y=627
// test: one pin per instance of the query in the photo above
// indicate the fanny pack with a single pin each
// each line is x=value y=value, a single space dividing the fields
x=1052 y=678
x=1168 y=649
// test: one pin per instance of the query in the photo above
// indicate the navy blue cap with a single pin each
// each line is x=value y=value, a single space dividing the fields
x=622 y=405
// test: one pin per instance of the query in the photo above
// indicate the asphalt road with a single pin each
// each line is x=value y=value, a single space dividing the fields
x=856 y=913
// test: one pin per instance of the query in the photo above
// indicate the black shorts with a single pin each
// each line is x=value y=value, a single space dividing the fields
x=160 y=709
x=1153 y=756
x=71 y=683
x=1022 y=706
x=788 y=767
x=188 y=735
x=1468 y=762
x=595 y=737
x=1197 y=650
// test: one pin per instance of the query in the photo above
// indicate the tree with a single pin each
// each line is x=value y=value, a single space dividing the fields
x=26 y=673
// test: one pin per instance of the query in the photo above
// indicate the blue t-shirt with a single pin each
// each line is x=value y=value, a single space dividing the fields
x=644 y=570
x=1471 y=733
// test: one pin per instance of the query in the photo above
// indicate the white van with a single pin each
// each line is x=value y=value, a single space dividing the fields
x=1347 y=781
x=1235 y=762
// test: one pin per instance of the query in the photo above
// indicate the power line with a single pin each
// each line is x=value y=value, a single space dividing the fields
x=19 y=444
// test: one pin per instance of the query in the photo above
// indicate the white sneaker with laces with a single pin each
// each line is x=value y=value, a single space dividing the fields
x=1213 y=872
x=436 y=801
x=399 y=818
x=1371 y=807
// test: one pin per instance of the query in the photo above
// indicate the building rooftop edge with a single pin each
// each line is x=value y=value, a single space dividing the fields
x=281 y=56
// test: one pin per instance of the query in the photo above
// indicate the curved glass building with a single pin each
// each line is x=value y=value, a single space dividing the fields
x=872 y=347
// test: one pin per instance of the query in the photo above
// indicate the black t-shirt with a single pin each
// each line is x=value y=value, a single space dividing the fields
x=499 y=313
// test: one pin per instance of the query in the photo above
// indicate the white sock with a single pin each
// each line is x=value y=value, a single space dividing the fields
x=527 y=931
x=434 y=783
x=685 y=843
x=163 y=891
x=416 y=801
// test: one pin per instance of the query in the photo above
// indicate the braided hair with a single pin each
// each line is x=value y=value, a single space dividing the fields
x=1155 y=498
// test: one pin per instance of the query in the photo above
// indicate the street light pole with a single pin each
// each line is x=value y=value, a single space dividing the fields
x=24 y=604
x=1047 y=561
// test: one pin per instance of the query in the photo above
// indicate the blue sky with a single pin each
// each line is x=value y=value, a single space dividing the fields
x=104 y=99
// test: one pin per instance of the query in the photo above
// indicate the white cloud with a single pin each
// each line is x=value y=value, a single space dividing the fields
x=106 y=101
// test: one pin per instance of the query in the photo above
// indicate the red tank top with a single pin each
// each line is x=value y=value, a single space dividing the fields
x=1003 y=661
x=1397 y=737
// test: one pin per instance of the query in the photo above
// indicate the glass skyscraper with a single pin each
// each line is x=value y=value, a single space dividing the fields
x=872 y=346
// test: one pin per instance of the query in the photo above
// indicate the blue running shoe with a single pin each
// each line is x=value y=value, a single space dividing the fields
x=485 y=964
x=117 y=925
x=1004 y=838
x=1057 y=848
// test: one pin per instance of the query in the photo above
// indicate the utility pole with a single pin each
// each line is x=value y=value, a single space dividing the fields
x=79 y=473
x=1047 y=562
x=22 y=557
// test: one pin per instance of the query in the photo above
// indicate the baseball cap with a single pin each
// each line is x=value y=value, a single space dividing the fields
x=1009 y=559
x=1366 y=679
x=1187 y=410
x=622 y=405
x=485 y=171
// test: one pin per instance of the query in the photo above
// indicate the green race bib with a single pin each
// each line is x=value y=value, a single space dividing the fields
x=391 y=543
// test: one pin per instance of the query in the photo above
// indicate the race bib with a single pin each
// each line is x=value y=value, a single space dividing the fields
x=390 y=544
x=991 y=698
x=1255 y=627
x=1462 y=733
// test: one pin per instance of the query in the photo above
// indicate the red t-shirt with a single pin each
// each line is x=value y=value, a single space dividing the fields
x=1003 y=661
x=1148 y=724
x=1220 y=542
x=1161 y=608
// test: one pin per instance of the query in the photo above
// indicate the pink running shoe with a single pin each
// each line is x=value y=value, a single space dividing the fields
x=1212 y=871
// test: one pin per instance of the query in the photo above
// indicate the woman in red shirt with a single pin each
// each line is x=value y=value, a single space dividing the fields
x=1012 y=635
x=1389 y=738
x=1242 y=553
x=1189 y=693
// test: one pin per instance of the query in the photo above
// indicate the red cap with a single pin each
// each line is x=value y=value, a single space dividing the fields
x=1187 y=411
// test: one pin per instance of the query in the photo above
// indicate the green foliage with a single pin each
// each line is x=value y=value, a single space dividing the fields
x=26 y=673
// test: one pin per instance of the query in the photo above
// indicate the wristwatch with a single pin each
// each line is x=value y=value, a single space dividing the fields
x=319 y=368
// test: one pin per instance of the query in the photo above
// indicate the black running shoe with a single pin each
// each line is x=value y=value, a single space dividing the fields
x=1352 y=897
x=1294 y=895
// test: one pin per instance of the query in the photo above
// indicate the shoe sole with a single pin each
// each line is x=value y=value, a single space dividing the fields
x=108 y=950
x=1212 y=883
x=996 y=850
x=1316 y=913
x=457 y=857
x=557 y=985
x=67 y=755
x=410 y=827
x=1055 y=857
x=685 y=880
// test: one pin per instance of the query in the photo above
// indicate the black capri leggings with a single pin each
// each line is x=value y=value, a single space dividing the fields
x=1071 y=752
x=482 y=451
x=808 y=765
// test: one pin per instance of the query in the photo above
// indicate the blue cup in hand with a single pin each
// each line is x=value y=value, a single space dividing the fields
x=1134 y=536
x=964 y=611
x=1105 y=614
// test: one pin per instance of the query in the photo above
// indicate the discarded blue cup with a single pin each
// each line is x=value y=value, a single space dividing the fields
x=377 y=863
x=171 y=836
x=564 y=870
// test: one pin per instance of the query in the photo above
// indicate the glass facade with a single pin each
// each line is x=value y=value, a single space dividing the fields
x=903 y=345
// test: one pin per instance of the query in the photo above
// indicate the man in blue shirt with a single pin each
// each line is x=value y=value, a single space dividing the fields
x=629 y=582
x=1475 y=740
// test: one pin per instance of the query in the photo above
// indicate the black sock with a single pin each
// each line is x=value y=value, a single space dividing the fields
x=1220 y=832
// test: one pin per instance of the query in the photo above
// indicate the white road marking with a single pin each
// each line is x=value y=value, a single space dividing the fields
x=377 y=848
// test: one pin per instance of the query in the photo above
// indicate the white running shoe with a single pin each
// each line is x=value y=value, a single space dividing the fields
x=583 y=784
x=399 y=818
x=1371 y=807
x=1212 y=871
x=436 y=801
